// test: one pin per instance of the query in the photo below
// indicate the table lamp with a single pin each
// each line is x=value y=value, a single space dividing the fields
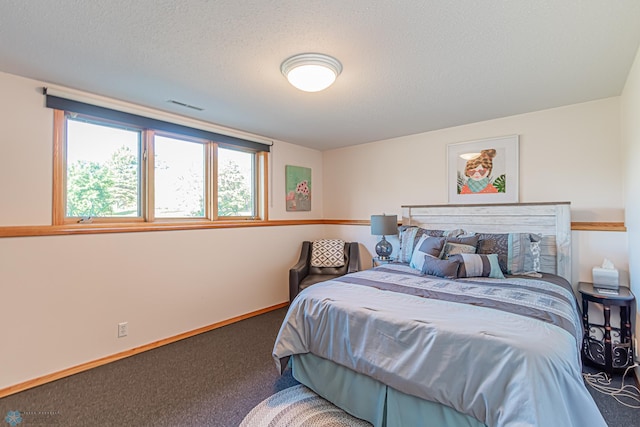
x=384 y=225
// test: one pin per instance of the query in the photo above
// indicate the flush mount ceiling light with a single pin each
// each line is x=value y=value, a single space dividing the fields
x=311 y=72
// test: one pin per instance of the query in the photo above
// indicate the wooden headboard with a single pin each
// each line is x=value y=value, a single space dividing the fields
x=548 y=219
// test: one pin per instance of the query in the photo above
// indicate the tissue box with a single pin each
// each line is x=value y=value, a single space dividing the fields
x=605 y=278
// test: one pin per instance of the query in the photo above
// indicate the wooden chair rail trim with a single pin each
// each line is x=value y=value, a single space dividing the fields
x=136 y=350
x=598 y=226
x=133 y=227
x=99 y=228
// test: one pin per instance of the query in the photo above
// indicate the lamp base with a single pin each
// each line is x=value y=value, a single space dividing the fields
x=384 y=249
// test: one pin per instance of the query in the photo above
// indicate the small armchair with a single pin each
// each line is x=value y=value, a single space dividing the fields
x=302 y=275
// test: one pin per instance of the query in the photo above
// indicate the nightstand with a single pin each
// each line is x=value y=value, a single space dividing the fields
x=614 y=350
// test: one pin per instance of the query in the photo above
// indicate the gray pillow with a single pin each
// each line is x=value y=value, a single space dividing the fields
x=432 y=246
x=427 y=245
x=440 y=267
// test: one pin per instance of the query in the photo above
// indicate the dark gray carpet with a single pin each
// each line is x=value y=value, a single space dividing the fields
x=615 y=413
x=213 y=379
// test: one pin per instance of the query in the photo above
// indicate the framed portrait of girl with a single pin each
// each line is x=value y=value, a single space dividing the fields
x=483 y=171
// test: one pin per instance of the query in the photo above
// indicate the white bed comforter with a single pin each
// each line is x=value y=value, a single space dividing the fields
x=501 y=368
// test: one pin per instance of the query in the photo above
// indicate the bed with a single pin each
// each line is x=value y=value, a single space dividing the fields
x=402 y=346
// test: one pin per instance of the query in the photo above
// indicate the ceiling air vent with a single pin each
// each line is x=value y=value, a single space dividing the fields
x=182 y=104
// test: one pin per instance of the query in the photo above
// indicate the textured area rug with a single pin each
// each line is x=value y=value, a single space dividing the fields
x=298 y=406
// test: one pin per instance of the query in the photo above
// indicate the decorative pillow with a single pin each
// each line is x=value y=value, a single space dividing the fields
x=471 y=240
x=427 y=245
x=475 y=265
x=458 y=245
x=406 y=237
x=524 y=254
x=498 y=244
x=548 y=255
x=327 y=253
x=409 y=237
x=456 y=232
x=446 y=268
x=456 y=248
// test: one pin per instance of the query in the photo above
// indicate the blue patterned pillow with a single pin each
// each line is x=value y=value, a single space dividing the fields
x=476 y=265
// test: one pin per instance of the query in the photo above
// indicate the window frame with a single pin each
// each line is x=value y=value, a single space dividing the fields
x=255 y=185
x=150 y=162
x=147 y=181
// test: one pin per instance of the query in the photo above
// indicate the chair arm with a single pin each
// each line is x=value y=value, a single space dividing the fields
x=354 y=258
x=298 y=272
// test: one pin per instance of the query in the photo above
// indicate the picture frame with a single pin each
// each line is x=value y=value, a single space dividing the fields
x=484 y=171
x=298 y=188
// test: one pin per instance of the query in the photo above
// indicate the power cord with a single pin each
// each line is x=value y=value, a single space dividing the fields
x=601 y=382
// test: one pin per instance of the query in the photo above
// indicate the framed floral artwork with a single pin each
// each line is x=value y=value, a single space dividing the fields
x=298 y=183
x=483 y=171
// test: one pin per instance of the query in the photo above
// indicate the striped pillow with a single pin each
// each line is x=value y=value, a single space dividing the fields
x=476 y=265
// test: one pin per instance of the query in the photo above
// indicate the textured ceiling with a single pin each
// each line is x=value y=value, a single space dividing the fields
x=409 y=66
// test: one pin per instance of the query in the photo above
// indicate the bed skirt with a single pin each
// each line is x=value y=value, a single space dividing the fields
x=370 y=400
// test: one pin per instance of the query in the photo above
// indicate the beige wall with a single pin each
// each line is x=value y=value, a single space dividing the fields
x=630 y=101
x=25 y=153
x=63 y=296
x=571 y=154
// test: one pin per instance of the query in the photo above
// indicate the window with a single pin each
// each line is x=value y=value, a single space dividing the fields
x=119 y=170
x=236 y=183
x=179 y=186
x=103 y=170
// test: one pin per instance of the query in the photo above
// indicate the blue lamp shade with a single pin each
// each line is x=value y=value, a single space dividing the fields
x=384 y=225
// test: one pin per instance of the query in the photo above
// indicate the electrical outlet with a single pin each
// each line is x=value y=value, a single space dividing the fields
x=123 y=329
